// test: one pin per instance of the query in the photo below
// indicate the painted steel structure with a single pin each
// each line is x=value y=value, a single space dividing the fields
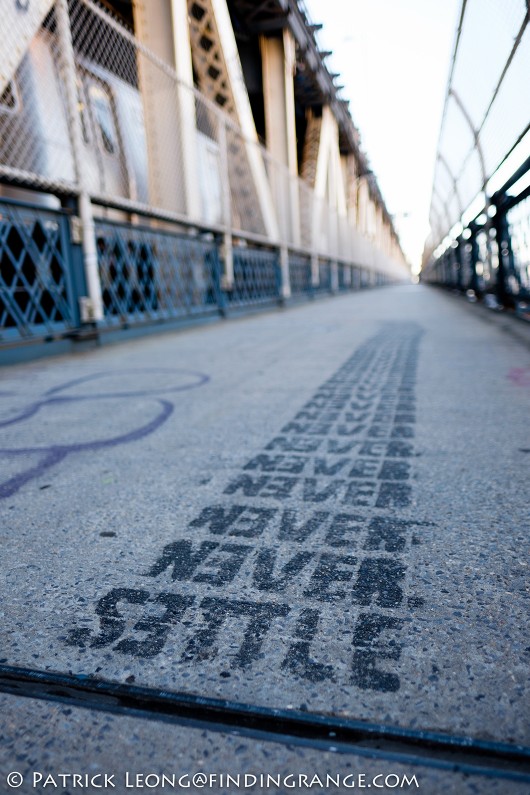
x=480 y=209
x=193 y=160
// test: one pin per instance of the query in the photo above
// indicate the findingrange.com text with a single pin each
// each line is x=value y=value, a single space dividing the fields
x=39 y=780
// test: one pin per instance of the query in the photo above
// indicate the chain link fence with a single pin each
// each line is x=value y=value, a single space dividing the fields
x=486 y=113
x=93 y=120
x=480 y=211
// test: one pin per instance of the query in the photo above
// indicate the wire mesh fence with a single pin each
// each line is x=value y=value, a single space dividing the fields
x=148 y=139
x=486 y=113
x=178 y=196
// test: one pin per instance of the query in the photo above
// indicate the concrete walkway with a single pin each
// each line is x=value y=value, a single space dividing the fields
x=319 y=511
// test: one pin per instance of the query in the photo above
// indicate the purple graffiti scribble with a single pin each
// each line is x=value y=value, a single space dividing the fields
x=54 y=454
x=520 y=376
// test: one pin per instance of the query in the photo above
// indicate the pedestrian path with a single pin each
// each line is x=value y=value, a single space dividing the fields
x=316 y=512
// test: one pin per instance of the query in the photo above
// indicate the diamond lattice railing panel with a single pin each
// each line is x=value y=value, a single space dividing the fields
x=256 y=276
x=324 y=269
x=300 y=274
x=35 y=284
x=150 y=275
x=345 y=277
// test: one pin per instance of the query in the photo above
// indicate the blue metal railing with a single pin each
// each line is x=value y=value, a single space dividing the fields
x=324 y=270
x=37 y=295
x=517 y=256
x=344 y=276
x=492 y=255
x=147 y=275
x=300 y=275
x=150 y=275
x=257 y=277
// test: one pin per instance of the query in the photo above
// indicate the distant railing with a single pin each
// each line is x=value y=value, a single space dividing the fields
x=486 y=113
x=147 y=276
x=491 y=257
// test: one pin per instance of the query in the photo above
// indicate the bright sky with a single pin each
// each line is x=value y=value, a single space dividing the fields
x=393 y=57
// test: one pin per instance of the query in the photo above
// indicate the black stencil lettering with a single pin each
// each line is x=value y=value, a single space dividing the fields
x=383 y=417
x=328 y=572
x=323 y=467
x=228 y=562
x=218 y=518
x=317 y=403
x=250 y=487
x=296 y=427
x=356 y=416
x=312 y=495
x=387 y=534
x=399 y=450
x=320 y=428
x=111 y=622
x=379 y=578
x=395 y=470
x=272 y=463
x=350 y=430
x=279 y=487
x=241 y=520
x=308 y=414
x=264 y=578
x=294 y=445
x=253 y=522
x=322 y=415
x=181 y=556
x=379 y=431
x=202 y=645
x=158 y=627
x=403 y=432
x=365 y=673
x=291 y=531
x=364 y=468
x=405 y=418
x=343 y=525
x=298 y=660
x=394 y=495
x=376 y=449
x=360 y=493
x=339 y=448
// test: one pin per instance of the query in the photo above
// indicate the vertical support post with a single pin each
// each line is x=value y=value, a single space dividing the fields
x=334 y=277
x=315 y=270
x=284 y=266
x=505 y=252
x=169 y=106
x=186 y=103
x=67 y=65
x=278 y=55
x=459 y=263
x=473 y=284
x=227 y=281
